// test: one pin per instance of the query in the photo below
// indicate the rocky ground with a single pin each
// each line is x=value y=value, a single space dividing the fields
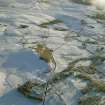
x=62 y=41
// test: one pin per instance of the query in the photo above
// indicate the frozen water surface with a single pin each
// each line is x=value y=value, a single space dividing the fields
x=20 y=29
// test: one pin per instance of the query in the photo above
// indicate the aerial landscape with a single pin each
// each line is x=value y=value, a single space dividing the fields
x=52 y=52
